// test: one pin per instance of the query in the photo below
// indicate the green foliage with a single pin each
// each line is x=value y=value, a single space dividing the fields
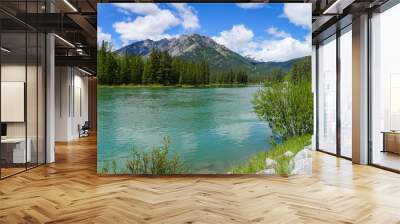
x=276 y=74
x=287 y=104
x=114 y=166
x=230 y=77
x=301 y=70
x=287 y=107
x=156 y=162
x=159 y=68
x=257 y=162
x=106 y=167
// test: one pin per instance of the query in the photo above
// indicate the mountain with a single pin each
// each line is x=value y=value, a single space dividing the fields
x=198 y=47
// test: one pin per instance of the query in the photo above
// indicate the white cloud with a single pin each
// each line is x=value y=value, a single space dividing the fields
x=250 y=5
x=190 y=21
x=298 y=14
x=282 y=48
x=139 y=8
x=277 y=33
x=236 y=38
x=151 y=26
x=102 y=36
x=153 y=21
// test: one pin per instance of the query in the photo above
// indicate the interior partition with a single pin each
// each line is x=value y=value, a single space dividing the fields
x=22 y=77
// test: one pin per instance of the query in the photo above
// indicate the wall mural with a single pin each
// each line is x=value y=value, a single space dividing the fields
x=187 y=89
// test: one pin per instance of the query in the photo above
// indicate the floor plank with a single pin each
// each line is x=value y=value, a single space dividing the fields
x=69 y=191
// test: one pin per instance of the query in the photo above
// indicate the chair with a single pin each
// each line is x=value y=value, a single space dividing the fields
x=84 y=130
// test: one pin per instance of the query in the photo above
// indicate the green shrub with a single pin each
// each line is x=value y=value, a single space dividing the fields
x=156 y=162
x=287 y=106
x=257 y=162
x=106 y=167
x=114 y=166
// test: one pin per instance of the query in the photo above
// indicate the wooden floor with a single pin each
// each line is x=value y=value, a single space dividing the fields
x=69 y=191
x=387 y=159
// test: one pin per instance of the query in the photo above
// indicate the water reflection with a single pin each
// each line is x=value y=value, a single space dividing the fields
x=211 y=128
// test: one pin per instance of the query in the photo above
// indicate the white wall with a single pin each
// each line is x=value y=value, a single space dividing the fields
x=33 y=126
x=70 y=84
x=9 y=73
x=62 y=82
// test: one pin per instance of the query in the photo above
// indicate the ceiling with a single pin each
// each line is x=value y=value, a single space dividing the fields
x=331 y=15
x=75 y=23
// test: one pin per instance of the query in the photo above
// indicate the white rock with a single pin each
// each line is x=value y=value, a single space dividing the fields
x=269 y=171
x=270 y=163
x=303 y=154
x=288 y=154
x=301 y=162
x=309 y=147
x=302 y=166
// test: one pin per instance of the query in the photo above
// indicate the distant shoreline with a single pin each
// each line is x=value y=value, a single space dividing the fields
x=176 y=86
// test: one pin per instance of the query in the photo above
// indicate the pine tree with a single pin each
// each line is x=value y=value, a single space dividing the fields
x=102 y=65
x=155 y=67
x=166 y=68
x=175 y=75
x=124 y=69
x=146 y=77
x=136 y=71
x=112 y=67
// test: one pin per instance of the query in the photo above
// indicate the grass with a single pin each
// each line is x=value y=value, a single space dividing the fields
x=157 y=161
x=257 y=162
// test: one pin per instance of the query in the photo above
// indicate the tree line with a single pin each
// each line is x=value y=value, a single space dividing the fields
x=299 y=71
x=159 y=68
x=229 y=77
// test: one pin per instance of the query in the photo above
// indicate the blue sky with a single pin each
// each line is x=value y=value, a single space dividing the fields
x=266 y=32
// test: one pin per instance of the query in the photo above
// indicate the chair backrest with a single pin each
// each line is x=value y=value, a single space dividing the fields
x=86 y=125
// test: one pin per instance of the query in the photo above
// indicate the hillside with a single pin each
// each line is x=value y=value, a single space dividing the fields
x=197 y=47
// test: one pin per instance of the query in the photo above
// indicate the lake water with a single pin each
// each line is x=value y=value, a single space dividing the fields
x=212 y=129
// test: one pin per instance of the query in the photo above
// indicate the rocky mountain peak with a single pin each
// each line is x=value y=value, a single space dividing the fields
x=198 y=47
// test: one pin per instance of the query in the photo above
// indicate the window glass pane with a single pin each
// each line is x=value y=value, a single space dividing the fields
x=31 y=97
x=22 y=88
x=327 y=96
x=385 y=88
x=346 y=93
x=14 y=153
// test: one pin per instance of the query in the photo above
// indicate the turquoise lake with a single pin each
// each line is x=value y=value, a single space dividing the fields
x=212 y=129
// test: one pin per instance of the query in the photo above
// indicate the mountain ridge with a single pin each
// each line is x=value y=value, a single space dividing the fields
x=199 y=47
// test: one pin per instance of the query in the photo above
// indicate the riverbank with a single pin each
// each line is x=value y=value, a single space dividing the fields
x=257 y=162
